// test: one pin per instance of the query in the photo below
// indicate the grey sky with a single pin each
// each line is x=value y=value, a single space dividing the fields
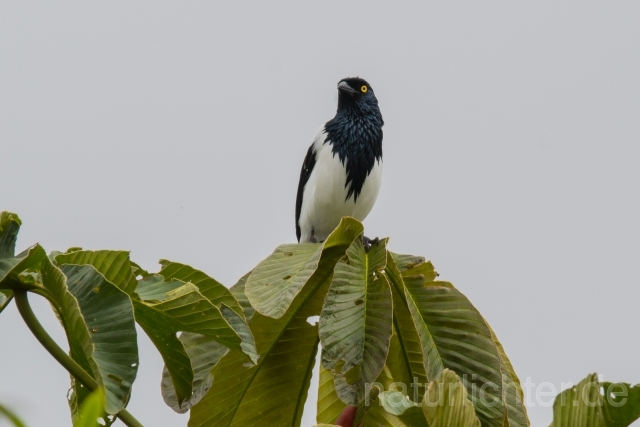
x=177 y=130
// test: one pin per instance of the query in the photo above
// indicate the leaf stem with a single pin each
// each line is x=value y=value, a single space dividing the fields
x=29 y=317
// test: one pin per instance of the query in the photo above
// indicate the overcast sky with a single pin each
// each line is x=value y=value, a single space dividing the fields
x=177 y=130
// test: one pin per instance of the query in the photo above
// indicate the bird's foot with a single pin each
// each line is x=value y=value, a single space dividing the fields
x=367 y=242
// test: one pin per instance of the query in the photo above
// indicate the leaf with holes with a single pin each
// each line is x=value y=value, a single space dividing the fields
x=287 y=345
x=356 y=320
x=164 y=308
x=204 y=353
x=621 y=403
x=393 y=377
x=276 y=281
x=594 y=404
x=115 y=266
x=98 y=319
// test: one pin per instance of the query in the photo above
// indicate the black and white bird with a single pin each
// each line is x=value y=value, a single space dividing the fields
x=342 y=172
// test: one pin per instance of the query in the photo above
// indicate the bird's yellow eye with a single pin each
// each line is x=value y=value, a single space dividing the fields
x=364 y=89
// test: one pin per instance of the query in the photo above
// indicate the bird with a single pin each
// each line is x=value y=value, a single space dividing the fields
x=342 y=172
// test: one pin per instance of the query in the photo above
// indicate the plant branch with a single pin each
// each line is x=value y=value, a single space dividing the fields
x=29 y=317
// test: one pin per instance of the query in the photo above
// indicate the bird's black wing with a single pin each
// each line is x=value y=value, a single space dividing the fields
x=305 y=173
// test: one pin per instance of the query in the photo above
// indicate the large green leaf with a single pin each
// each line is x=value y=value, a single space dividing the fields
x=276 y=281
x=592 y=404
x=446 y=403
x=209 y=287
x=204 y=353
x=356 y=320
x=512 y=392
x=411 y=370
x=273 y=392
x=96 y=315
x=115 y=266
x=392 y=378
x=164 y=308
x=190 y=311
x=329 y=405
x=454 y=335
x=9 y=227
x=107 y=313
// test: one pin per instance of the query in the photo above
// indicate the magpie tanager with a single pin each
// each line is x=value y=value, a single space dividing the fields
x=342 y=172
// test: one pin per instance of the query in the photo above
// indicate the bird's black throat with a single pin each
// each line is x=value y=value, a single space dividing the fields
x=356 y=137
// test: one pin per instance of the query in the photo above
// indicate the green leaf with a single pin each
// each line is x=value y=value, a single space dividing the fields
x=115 y=266
x=9 y=227
x=329 y=405
x=276 y=281
x=11 y=416
x=18 y=272
x=245 y=396
x=356 y=320
x=165 y=308
x=585 y=405
x=237 y=291
x=454 y=335
x=409 y=412
x=5 y=298
x=189 y=311
x=512 y=392
x=411 y=370
x=242 y=397
x=446 y=403
x=210 y=288
x=580 y=405
x=203 y=353
x=621 y=404
x=392 y=378
x=98 y=320
x=91 y=410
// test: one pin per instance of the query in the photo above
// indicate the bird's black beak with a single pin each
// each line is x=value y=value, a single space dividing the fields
x=344 y=87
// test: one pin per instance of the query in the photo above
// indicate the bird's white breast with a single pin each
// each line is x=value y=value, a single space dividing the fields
x=324 y=200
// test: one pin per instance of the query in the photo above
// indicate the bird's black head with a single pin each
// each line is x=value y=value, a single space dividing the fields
x=355 y=93
x=356 y=131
